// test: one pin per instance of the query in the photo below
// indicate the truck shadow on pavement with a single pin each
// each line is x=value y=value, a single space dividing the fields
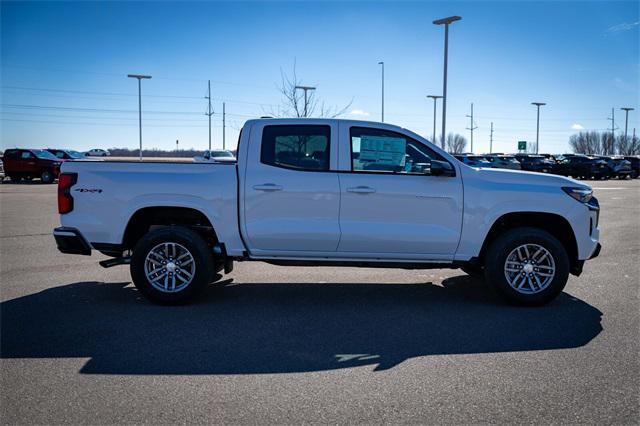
x=282 y=328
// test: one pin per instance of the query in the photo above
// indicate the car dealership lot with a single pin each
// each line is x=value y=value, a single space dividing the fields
x=325 y=345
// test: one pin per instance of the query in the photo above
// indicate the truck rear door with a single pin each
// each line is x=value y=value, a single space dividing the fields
x=291 y=188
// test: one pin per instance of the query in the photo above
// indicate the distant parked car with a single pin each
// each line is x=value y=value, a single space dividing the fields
x=473 y=160
x=1 y=171
x=31 y=163
x=501 y=161
x=635 y=165
x=536 y=163
x=97 y=152
x=582 y=166
x=67 y=154
x=215 y=156
x=620 y=167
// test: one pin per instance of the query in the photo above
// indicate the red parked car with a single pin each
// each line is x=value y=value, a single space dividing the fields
x=31 y=163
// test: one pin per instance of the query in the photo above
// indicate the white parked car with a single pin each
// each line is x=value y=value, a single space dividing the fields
x=97 y=152
x=328 y=192
x=215 y=156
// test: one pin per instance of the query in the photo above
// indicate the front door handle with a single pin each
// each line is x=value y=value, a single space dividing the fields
x=267 y=187
x=361 y=190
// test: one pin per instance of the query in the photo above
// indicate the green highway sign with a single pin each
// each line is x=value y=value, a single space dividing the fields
x=522 y=145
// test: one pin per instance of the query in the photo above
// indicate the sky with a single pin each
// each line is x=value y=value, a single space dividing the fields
x=64 y=68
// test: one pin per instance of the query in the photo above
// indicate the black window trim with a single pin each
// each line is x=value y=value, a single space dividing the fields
x=279 y=166
x=385 y=172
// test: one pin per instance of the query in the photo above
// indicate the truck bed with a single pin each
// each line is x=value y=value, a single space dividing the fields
x=108 y=193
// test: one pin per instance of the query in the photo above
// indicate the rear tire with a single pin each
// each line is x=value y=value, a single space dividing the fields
x=527 y=266
x=172 y=265
x=47 y=176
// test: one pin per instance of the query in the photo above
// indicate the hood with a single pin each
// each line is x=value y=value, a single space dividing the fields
x=519 y=177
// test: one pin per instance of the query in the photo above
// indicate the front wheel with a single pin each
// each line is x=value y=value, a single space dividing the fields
x=527 y=266
x=172 y=265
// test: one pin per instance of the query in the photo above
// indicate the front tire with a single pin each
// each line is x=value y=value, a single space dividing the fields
x=527 y=266
x=172 y=265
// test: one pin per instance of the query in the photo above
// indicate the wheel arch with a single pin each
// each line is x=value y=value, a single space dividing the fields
x=552 y=223
x=145 y=218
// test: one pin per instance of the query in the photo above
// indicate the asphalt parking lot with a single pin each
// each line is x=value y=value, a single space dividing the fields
x=313 y=345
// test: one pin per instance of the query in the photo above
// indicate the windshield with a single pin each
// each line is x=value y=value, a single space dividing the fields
x=46 y=155
x=221 y=154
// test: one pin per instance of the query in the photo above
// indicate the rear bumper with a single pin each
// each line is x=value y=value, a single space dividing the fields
x=70 y=241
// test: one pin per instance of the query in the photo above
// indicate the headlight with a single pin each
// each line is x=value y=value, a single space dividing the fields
x=582 y=195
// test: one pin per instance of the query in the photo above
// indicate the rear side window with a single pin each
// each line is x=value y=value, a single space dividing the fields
x=296 y=147
x=10 y=154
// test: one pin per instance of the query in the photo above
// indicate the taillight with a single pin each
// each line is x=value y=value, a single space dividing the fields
x=65 y=200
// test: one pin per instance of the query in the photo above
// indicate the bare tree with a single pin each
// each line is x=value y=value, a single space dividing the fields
x=628 y=145
x=456 y=143
x=293 y=100
x=586 y=143
x=608 y=143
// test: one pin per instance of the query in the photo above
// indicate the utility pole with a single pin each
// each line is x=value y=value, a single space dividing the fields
x=491 y=139
x=445 y=21
x=224 y=124
x=613 y=128
x=538 y=104
x=435 y=99
x=140 y=77
x=471 y=128
x=306 y=103
x=626 y=121
x=382 y=63
x=209 y=112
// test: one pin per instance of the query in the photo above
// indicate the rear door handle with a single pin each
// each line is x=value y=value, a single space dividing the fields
x=361 y=190
x=267 y=187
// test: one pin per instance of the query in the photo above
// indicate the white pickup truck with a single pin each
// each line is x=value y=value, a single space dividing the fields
x=328 y=192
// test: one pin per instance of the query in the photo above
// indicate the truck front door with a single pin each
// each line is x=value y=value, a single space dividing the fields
x=391 y=205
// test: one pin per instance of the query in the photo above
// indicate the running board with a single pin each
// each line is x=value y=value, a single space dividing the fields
x=115 y=261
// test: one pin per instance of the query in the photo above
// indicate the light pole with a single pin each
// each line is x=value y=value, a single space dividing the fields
x=538 y=104
x=435 y=99
x=445 y=22
x=139 y=77
x=626 y=121
x=306 y=89
x=382 y=63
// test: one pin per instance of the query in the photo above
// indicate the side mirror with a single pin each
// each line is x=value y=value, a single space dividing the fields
x=441 y=168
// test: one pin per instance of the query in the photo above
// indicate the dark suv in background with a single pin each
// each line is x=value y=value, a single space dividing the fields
x=31 y=163
x=536 y=163
x=635 y=165
x=582 y=166
x=620 y=167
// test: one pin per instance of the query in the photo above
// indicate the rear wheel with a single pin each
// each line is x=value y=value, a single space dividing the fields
x=172 y=265
x=527 y=266
x=47 y=176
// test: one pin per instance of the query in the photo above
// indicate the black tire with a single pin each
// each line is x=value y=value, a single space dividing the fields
x=47 y=176
x=200 y=251
x=501 y=248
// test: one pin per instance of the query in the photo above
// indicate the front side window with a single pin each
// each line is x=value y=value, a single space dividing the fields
x=25 y=155
x=375 y=150
x=296 y=147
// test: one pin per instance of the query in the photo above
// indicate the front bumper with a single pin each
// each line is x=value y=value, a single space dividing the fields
x=70 y=241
